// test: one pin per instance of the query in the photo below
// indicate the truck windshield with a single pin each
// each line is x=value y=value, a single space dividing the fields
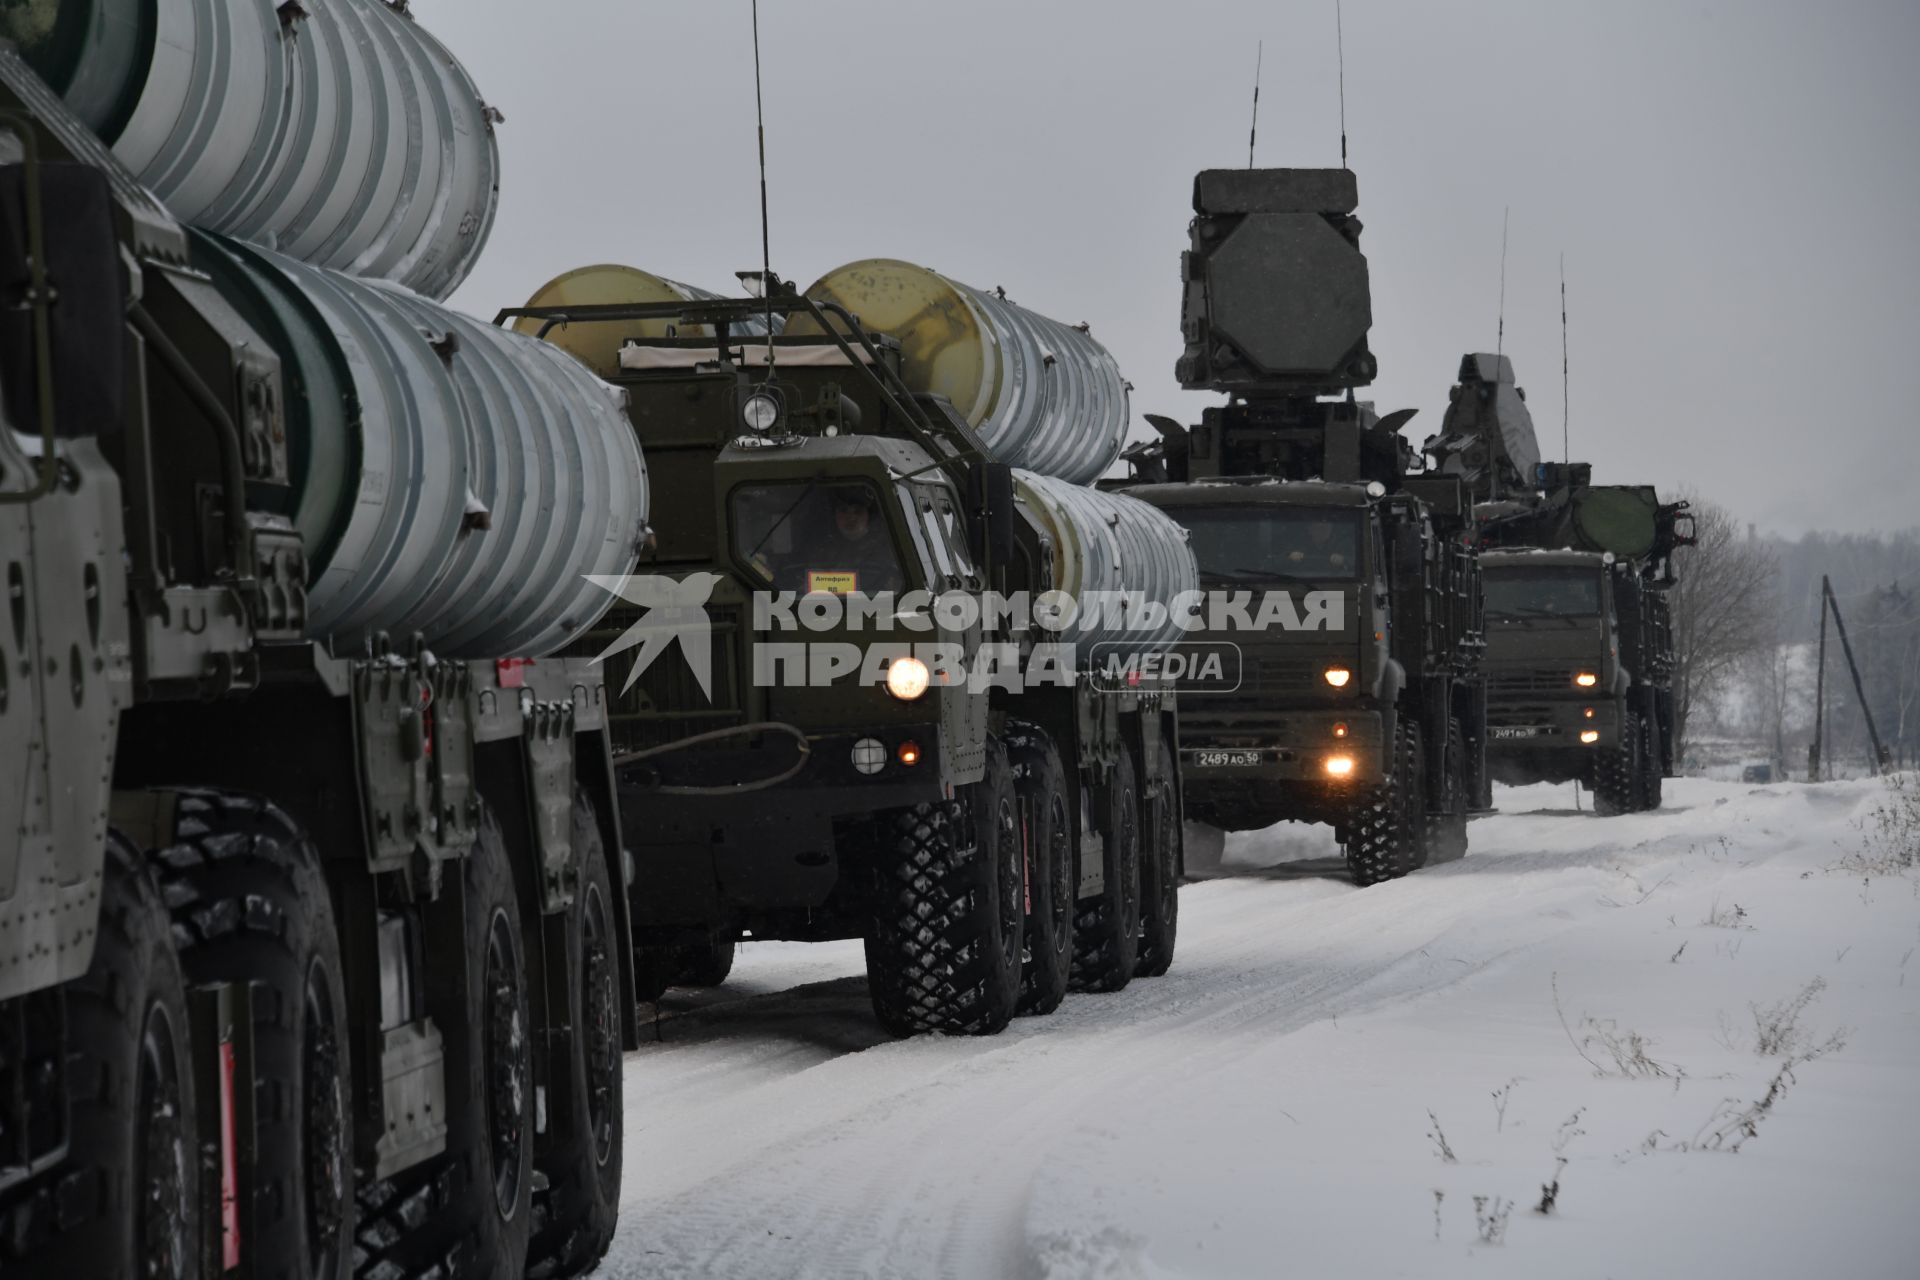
x=1262 y=543
x=1542 y=593
x=816 y=536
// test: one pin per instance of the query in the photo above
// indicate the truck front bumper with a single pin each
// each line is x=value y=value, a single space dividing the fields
x=701 y=858
x=1549 y=741
x=1293 y=746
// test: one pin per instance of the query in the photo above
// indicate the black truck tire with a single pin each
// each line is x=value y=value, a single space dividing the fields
x=709 y=963
x=1386 y=825
x=574 y=1216
x=1106 y=928
x=1447 y=829
x=467 y=1212
x=1616 y=772
x=943 y=947
x=1159 y=879
x=125 y=1201
x=250 y=905
x=1652 y=773
x=1047 y=930
x=655 y=968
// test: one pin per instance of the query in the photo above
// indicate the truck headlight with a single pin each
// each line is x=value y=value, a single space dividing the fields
x=1586 y=679
x=1337 y=676
x=1589 y=736
x=760 y=412
x=1339 y=766
x=907 y=678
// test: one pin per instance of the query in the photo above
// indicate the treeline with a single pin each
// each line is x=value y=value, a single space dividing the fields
x=1859 y=564
x=1768 y=600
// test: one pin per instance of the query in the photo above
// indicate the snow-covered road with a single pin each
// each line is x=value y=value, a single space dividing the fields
x=1321 y=1087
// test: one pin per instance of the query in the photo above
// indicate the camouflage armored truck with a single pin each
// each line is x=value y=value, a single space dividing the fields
x=1359 y=701
x=838 y=528
x=1579 y=635
x=314 y=952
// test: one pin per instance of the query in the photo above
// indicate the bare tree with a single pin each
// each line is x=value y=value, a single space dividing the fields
x=1724 y=607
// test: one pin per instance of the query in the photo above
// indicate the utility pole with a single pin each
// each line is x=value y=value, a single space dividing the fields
x=1819 y=692
x=1853 y=669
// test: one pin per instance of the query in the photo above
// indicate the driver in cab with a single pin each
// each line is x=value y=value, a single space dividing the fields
x=1320 y=554
x=853 y=554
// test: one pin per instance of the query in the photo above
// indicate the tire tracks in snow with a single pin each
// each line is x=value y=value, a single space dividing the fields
x=782 y=1135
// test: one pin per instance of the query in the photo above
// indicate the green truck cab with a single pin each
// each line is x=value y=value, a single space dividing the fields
x=1580 y=674
x=849 y=767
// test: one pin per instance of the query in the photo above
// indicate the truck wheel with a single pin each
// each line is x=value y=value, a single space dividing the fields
x=943 y=952
x=1382 y=843
x=1616 y=772
x=1159 y=880
x=1106 y=929
x=574 y=1216
x=1047 y=932
x=467 y=1211
x=1651 y=773
x=709 y=963
x=125 y=1202
x=1447 y=830
x=250 y=905
x=654 y=970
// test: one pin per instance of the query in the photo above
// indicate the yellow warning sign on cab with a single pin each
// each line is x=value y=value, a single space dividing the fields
x=833 y=582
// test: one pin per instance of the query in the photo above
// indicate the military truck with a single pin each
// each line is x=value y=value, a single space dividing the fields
x=1360 y=701
x=1579 y=635
x=992 y=844
x=314 y=950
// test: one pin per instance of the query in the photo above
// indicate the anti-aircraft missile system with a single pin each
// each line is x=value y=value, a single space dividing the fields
x=1362 y=706
x=989 y=796
x=1579 y=635
x=313 y=951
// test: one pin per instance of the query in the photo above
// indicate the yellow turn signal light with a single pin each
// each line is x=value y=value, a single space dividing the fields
x=1338 y=676
x=1340 y=730
x=1589 y=736
x=1589 y=713
x=907 y=678
x=909 y=753
x=1339 y=766
x=1586 y=679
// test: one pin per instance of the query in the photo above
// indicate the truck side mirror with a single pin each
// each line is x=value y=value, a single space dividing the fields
x=990 y=512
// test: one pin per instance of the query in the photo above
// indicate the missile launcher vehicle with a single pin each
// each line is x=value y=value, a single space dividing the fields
x=868 y=744
x=314 y=943
x=1360 y=701
x=1579 y=633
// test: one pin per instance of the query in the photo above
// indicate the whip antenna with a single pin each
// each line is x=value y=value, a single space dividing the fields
x=1566 y=450
x=766 y=244
x=1500 y=339
x=1258 y=57
x=1340 y=49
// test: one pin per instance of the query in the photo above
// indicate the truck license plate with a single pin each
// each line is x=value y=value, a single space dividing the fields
x=1522 y=731
x=1225 y=759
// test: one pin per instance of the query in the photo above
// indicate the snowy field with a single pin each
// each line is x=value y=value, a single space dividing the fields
x=1349 y=1083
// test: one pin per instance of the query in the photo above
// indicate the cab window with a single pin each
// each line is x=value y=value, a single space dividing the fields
x=811 y=536
x=1542 y=593
x=1275 y=543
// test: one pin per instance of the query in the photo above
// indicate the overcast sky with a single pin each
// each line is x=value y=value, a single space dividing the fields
x=1734 y=186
